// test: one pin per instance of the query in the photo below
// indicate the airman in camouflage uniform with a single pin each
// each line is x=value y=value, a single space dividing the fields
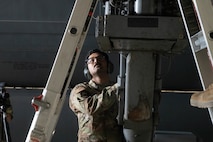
x=96 y=104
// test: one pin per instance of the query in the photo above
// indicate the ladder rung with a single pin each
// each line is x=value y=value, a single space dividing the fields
x=190 y=16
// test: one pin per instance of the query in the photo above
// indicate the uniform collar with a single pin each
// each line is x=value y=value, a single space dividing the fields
x=98 y=86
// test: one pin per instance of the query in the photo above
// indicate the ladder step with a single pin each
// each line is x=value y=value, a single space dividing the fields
x=190 y=16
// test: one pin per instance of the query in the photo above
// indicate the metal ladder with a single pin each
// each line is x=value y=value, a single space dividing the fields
x=198 y=21
x=49 y=104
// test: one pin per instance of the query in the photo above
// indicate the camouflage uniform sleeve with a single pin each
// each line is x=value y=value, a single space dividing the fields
x=89 y=101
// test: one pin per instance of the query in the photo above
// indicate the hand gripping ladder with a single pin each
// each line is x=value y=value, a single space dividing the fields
x=50 y=103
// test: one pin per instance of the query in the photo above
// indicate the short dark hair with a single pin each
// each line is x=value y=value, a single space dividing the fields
x=97 y=51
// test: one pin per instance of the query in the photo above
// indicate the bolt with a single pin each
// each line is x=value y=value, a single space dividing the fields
x=73 y=31
x=211 y=35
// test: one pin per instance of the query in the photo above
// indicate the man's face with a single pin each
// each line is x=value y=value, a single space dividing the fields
x=97 y=64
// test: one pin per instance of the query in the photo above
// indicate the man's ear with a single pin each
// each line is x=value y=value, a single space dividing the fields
x=87 y=73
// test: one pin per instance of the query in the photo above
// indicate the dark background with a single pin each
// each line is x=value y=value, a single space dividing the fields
x=30 y=34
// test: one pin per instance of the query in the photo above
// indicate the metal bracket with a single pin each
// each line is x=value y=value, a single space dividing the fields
x=38 y=102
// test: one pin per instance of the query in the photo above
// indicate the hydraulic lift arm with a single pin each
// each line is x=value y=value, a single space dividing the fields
x=50 y=103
